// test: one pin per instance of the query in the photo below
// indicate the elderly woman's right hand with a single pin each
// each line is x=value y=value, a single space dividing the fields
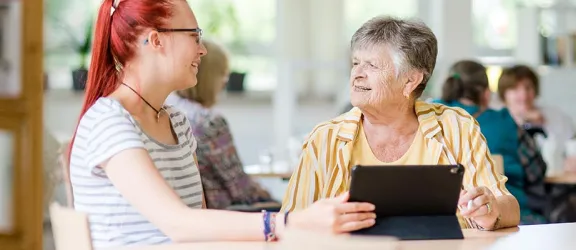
x=534 y=117
x=335 y=215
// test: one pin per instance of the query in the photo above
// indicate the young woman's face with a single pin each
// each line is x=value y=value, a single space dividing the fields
x=181 y=50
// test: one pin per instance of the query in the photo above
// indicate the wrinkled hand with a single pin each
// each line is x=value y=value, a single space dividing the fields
x=480 y=205
x=334 y=215
x=535 y=117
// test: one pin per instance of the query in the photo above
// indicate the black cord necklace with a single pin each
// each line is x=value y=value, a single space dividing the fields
x=150 y=105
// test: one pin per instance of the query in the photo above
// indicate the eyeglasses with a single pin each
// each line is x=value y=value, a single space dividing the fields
x=197 y=30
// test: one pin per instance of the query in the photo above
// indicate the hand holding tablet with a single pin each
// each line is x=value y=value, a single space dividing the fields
x=480 y=205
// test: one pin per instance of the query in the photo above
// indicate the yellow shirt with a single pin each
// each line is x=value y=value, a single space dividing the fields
x=362 y=154
x=450 y=136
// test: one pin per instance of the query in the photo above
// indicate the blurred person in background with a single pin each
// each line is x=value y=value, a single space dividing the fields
x=467 y=88
x=223 y=177
x=518 y=88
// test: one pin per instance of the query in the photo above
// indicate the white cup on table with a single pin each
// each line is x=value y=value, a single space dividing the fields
x=570 y=153
x=571 y=148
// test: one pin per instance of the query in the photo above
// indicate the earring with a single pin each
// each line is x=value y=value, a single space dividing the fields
x=407 y=97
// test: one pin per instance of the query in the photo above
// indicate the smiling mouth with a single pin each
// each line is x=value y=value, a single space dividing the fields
x=360 y=88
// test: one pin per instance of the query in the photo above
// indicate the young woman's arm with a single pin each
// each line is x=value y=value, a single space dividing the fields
x=133 y=173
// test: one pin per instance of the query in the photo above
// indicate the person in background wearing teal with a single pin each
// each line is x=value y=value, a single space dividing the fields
x=467 y=88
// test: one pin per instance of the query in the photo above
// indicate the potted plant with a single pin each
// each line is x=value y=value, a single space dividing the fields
x=222 y=22
x=83 y=48
x=66 y=37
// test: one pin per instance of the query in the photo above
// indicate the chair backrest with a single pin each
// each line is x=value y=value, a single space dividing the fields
x=70 y=228
x=499 y=162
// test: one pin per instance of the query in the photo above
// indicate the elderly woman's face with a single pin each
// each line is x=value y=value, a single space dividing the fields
x=373 y=78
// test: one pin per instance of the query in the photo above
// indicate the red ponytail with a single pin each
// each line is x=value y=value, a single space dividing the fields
x=115 y=37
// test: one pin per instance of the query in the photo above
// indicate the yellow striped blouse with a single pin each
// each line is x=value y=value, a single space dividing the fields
x=451 y=136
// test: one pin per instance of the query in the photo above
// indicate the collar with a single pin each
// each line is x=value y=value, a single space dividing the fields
x=426 y=113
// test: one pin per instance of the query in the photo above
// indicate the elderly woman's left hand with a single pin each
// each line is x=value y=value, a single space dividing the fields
x=480 y=205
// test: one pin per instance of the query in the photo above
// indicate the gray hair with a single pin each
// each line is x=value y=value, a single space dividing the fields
x=412 y=43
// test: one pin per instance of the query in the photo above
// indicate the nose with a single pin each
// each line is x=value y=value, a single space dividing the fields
x=203 y=51
x=357 y=72
x=522 y=93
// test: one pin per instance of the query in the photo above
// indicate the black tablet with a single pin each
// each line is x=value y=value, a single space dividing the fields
x=408 y=190
x=412 y=202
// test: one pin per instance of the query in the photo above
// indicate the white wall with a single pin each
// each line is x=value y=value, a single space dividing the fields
x=558 y=89
x=61 y=112
x=451 y=22
x=328 y=48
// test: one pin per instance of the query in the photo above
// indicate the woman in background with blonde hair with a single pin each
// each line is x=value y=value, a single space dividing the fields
x=223 y=177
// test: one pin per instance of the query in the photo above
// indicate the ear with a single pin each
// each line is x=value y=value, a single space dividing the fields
x=413 y=79
x=153 y=39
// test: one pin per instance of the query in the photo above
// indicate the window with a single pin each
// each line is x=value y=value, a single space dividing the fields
x=247 y=29
x=358 y=12
x=494 y=26
x=65 y=27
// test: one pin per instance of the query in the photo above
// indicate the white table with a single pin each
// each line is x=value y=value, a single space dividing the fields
x=549 y=237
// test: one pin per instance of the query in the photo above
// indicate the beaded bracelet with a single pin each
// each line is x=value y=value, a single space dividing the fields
x=269 y=226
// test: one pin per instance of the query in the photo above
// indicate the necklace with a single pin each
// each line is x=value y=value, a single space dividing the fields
x=149 y=105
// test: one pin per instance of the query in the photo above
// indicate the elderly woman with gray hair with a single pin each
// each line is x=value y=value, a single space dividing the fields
x=393 y=60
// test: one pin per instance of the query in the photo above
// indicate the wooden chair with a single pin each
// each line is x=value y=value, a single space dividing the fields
x=70 y=228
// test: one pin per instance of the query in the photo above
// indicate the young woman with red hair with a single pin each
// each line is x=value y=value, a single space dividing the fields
x=132 y=159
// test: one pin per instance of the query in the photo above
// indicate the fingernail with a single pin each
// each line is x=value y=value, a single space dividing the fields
x=372 y=207
x=372 y=221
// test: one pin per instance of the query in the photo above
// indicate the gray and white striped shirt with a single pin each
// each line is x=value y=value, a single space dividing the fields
x=105 y=130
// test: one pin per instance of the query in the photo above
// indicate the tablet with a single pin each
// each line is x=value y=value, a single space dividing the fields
x=408 y=190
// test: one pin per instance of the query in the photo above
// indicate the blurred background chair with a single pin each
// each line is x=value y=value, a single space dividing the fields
x=70 y=228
